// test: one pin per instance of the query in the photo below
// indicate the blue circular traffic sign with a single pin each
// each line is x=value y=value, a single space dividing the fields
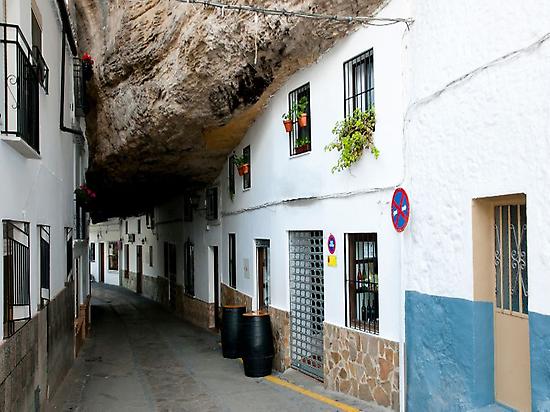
x=400 y=209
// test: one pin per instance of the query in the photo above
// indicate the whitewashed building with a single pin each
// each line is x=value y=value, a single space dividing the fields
x=43 y=155
x=452 y=313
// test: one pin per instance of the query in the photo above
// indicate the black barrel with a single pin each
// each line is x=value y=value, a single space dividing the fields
x=257 y=344
x=231 y=330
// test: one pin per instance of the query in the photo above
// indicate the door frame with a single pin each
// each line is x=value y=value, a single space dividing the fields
x=262 y=277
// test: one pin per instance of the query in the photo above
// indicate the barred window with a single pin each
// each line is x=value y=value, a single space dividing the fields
x=212 y=203
x=359 y=83
x=247 y=178
x=44 y=233
x=232 y=176
x=17 y=261
x=300 y=137
x=362 y=282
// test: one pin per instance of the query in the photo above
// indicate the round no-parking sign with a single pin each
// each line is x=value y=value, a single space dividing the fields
x=400 y=209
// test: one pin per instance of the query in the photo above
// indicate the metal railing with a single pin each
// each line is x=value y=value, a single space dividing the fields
x=22 y=72
x=17 y=296
x=79 y=88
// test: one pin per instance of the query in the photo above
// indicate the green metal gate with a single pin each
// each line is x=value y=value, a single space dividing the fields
x=307 y=310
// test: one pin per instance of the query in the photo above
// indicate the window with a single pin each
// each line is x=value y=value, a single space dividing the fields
x=92 y=252
x=247 y=178
x=300 y=137
x=139 y=226
x=113 y=255
x=362 y=282
x=359 y=83
x=126 y=229
x=212 y=203
x=151 y=256
x=511 y=259
x=39 y=63
x=126 y=261
x=189 y=267
x=79 y=88
x=69 y=252
x=17 y=260
x=44 y=233
x=231 y=176
x=232 y=260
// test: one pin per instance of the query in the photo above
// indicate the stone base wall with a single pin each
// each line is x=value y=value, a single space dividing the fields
x=33 y=362
x=280 y=324
x=232 y=296
x=193 y=310
x=361 y=365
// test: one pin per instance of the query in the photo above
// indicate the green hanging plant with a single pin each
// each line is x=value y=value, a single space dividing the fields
x=353 y=135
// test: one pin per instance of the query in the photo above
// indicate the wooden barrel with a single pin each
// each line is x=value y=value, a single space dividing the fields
x=257 y=344
x=231 y=330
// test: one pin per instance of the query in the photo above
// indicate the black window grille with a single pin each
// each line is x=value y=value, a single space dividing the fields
x=69 y=252
x=359 y=83
x=189 y=262
x=44 y=232
x=24 y=71
x=113 y=255
x=17 y=297
x=362 y=282
x=79 y=88
x=212 y=203
x=300 y=137
x=92 y=252
x=231 y=176
x=232 y=260
x=151 y=256
x=126 y=227
x=247 y=178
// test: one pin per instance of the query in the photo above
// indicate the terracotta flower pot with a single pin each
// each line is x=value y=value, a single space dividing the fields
x=288 y=125
x=243 y=170
x=302 y=120
x=303 y=148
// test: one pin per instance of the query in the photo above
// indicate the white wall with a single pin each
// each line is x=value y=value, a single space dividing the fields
x=486 y=135
x=41 y=191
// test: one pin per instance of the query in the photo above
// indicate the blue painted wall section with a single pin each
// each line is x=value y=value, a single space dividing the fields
x=539 y=337
x=450 y=353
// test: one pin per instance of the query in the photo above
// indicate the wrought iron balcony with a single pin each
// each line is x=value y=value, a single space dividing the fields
x=23 y=70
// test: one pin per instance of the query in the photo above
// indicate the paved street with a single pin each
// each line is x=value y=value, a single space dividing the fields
x=142 y=358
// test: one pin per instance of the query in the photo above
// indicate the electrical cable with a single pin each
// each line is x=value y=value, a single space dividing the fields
x=367 y=20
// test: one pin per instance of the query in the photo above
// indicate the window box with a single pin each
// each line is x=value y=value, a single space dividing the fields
x=303 y=148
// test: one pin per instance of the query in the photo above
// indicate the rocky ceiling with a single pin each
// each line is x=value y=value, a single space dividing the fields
x=176 y=86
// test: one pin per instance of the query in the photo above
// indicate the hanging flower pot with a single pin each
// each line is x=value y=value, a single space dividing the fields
x=87 y=67
x=243 y=170
x=288 y=125
x=302 y=120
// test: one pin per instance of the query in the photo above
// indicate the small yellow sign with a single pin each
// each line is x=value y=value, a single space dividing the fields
x=332 y=261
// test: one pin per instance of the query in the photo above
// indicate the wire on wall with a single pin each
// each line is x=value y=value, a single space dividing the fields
x=366 y=20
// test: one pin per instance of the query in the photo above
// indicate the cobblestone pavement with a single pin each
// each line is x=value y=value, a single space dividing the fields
x=142 y=358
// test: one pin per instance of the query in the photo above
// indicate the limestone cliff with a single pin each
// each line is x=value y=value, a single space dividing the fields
x=177 y=85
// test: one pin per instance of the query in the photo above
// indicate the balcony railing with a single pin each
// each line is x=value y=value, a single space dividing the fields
x=22 y=70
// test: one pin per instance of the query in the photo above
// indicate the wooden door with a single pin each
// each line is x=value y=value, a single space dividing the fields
x=139 y=269
x=102 y=262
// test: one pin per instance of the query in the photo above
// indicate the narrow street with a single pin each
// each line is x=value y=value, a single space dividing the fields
x=142 y=358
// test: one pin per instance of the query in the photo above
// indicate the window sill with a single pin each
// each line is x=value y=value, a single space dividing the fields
x=299 y=155
x=21 y=146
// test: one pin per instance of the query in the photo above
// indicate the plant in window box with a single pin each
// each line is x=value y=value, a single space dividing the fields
x=87 y=67
x=353 y=135
x=84 y=196
x=241 y=164
x=303 y=144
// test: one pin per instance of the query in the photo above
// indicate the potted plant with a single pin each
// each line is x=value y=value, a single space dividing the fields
x=241 y=164
x=301 y=112
x=87 y=67
x=84 y=195
x=353 y=136
x=287 y=121
x=303 y=144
